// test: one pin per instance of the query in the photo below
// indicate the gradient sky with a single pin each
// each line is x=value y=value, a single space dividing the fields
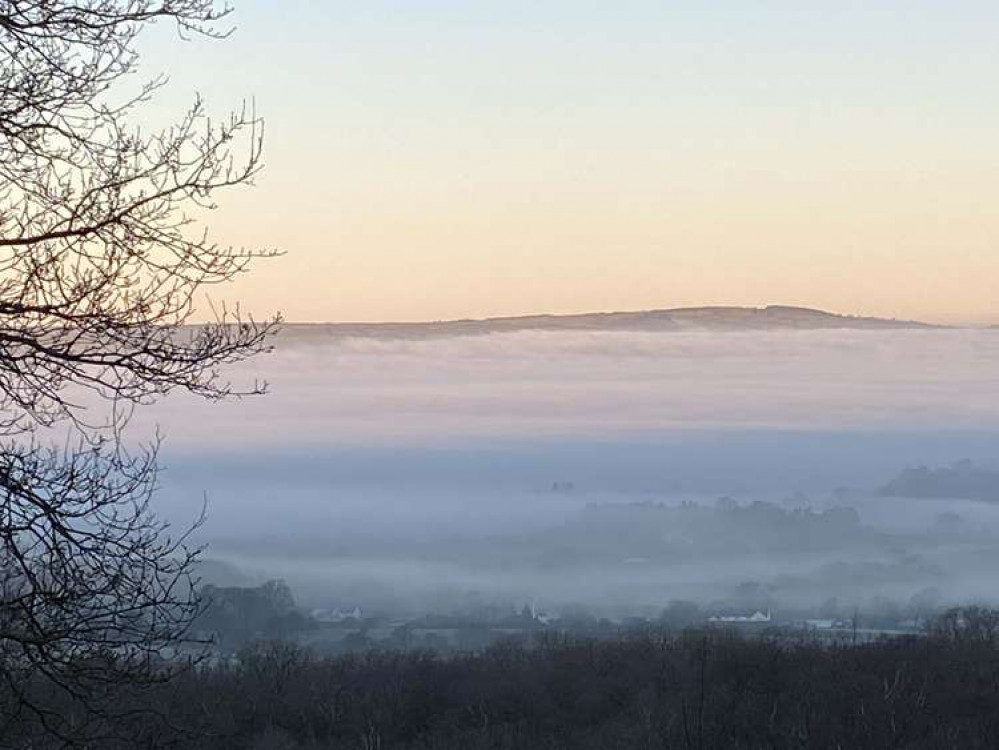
x=453 y=158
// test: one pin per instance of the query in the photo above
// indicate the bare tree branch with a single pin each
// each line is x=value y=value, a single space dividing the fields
x=100 y=261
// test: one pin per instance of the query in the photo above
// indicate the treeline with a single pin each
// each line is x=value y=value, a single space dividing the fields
x=691 y=690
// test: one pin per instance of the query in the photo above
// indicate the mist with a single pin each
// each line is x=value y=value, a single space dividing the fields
x=442 y=474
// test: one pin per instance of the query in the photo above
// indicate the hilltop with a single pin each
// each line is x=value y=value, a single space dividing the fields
x=773 y=317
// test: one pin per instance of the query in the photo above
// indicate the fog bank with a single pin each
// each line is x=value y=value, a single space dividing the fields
x=405 y=442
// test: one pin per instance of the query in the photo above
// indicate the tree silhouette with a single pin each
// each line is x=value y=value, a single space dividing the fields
x=100 y=261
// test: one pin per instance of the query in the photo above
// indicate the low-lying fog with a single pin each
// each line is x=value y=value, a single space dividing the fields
x=433 y=474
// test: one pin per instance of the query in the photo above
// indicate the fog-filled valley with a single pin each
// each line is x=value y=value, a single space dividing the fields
x=563 y=376
x=614 y=471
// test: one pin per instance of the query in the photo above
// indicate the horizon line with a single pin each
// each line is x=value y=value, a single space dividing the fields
x=639 y=311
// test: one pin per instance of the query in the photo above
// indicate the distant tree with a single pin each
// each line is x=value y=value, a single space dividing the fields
x=577 y=615
x=971 y=624
x=100 y=261
x=925 y=603
x=238 y=615
x=682 y=614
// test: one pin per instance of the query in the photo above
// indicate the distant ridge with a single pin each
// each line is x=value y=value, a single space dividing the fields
x=772 y=317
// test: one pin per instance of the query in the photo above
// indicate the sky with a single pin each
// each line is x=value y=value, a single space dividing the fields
x=448 y=159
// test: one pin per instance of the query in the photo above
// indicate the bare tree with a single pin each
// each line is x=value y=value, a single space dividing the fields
x=101 y=257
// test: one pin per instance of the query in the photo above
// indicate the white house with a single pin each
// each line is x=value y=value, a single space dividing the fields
x=756 y=617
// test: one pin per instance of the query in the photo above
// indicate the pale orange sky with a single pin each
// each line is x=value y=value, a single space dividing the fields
x=566 y=157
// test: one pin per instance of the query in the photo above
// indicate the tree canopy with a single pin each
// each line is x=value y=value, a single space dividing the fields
x=102 y=259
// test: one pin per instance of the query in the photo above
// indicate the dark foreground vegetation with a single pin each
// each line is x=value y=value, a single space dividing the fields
x=652 y=690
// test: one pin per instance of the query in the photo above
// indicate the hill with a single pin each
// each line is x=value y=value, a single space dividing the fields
x=962 y=481
x=773 y=317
